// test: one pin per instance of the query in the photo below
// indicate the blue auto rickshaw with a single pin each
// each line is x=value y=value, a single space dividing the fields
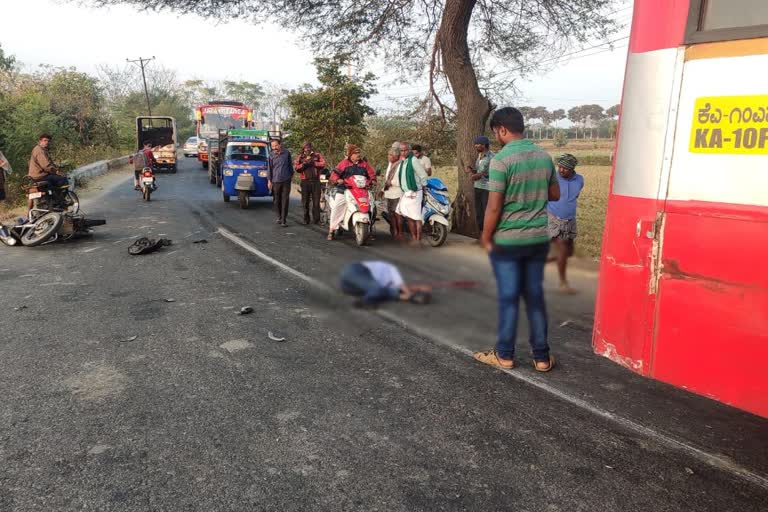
x=244 y=165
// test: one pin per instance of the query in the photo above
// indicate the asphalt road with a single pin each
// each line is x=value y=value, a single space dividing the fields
x=131 y=383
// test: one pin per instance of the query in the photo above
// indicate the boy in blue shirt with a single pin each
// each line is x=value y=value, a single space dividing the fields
x=562 y=215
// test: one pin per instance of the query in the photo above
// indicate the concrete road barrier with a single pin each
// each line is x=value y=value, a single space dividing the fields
x=96 y=169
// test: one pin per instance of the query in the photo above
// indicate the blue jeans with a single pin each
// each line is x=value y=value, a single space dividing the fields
x=357 y=280
x=55 y=180
x=519 y=271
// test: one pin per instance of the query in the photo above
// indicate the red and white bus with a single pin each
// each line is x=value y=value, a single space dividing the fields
x=215 y=116
x=683 y=293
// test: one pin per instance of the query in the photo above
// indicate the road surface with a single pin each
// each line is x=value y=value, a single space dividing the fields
x=131 y=383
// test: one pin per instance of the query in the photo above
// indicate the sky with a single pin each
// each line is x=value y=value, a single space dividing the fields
x=70 y=35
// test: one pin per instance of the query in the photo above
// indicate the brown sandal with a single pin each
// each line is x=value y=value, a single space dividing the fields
x=546 y=368
x=490 y=357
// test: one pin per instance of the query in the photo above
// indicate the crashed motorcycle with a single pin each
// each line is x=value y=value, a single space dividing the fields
x=54 y=214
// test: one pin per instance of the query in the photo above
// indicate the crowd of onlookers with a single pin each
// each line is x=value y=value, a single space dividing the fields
x=525 y=204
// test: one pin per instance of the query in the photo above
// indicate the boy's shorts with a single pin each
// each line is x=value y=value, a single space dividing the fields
x=561 y=229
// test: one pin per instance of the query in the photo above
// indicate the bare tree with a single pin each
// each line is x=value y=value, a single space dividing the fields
x=473 y=49
x=273 y=104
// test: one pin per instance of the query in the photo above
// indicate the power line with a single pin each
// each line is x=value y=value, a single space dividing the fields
x=141 y=61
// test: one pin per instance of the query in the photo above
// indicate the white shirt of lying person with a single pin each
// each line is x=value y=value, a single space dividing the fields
x=384 y=273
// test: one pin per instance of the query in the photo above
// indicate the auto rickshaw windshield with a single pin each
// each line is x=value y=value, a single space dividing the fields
x=246 y=151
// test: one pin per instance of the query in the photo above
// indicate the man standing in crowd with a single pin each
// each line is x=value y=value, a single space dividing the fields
x=426 y=163
x=562 y=216
x=479 y=174
x=392 y=194
x=412 y=178
x=309 y=165
x=279 y=174
x=522 y=181
x=41 y=167
x=5 y=167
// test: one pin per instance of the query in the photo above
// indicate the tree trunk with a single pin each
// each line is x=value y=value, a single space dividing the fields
x=472 y=108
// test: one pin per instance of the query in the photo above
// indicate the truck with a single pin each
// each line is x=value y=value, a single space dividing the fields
x=217 y=115
x=160 y=132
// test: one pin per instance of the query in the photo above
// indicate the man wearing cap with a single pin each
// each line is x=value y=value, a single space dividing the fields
x=479 y=174
x=562 y=215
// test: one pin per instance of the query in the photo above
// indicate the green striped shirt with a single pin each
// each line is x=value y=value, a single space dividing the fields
x=522 y=171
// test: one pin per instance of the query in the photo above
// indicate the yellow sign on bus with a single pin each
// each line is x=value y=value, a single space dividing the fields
x=731 y=125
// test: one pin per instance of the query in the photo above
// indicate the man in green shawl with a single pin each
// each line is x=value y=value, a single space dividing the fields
x=412 y=178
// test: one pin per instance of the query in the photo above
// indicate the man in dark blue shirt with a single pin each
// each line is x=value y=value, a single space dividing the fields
x=279 y=174
x=562 y=215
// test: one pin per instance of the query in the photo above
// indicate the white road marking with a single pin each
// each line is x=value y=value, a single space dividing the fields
x=717 y=461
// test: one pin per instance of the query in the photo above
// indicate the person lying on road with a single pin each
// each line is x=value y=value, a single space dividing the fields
x=374 y=282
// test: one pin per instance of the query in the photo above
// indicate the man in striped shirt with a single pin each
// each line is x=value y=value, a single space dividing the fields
x=522 y=180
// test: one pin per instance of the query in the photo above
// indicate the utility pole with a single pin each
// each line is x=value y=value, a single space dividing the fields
x=142 y=62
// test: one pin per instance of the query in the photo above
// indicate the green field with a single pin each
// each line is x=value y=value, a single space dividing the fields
x=593 y=199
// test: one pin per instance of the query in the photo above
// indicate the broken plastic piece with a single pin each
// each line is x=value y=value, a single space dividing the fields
x=273 y=337
x=246 y=310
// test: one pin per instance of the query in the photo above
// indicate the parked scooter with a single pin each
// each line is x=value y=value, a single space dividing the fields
x=436 y=212
x=147 y=183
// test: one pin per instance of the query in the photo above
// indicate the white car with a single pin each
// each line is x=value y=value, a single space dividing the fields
x=190 y=147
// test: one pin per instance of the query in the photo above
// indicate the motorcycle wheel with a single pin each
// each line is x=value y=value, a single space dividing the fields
x=361 y=233
x=72 y=202
x=438 y=234
x=46 y=227
x=146 y=193
x=242 y=197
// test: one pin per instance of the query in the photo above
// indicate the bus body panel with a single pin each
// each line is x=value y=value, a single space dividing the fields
x=683 y=296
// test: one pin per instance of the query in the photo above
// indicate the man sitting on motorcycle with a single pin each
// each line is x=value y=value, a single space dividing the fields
x=353 y=165
x=144 y=158
x=42 y=168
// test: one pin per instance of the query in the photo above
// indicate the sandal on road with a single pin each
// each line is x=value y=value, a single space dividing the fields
x=544 y=366
x=491 y=358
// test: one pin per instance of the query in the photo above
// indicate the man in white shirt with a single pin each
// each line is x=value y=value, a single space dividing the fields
x=392 y=194
x=375 y=282
x=426 y=163
x=412 y=178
